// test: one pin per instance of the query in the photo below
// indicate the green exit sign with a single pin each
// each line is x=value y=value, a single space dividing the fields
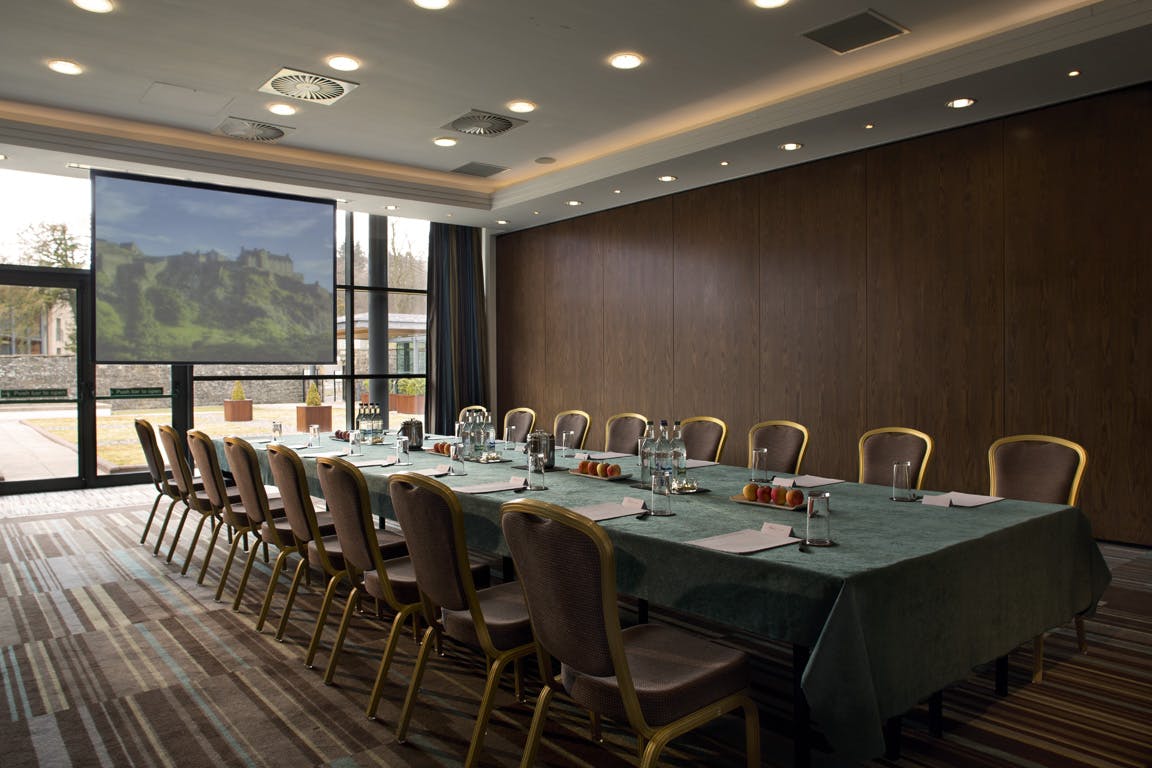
x=136 y=391
x=28 y=394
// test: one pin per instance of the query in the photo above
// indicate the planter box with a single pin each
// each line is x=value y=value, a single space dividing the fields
x=237 y=410
x=413 y=404
x=307 y=415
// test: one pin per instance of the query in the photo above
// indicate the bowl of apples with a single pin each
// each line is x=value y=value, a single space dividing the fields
x=600 y=470
x=767 y=495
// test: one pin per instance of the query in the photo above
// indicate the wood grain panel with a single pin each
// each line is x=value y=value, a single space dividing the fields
x=713 y=309
x=935 y=296
x=1078 y=287
x=812 y=322
x=520 y=347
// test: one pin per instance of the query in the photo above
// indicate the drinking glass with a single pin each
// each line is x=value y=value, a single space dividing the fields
x=355 y=443
x=760 y=465
x=510 y=438
x=313 y=435
x=536 y=472
x=457 y=469
x=902 y=481
x=640 y=451
x=277 y=431
x=818 y=524
x=402 y=451
x=661 y=503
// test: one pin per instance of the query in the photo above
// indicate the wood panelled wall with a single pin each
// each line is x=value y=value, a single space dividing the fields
x=994 y=279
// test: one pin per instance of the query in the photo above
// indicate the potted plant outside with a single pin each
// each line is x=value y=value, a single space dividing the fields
x=313 y=412
x=237 y=407
x=409 y=397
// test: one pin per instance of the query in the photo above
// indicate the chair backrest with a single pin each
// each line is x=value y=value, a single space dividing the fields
x=156 y=468
x=292 y=482
x=785 y=442
x=704 y=437
x=566 y=568
x=467 y=408
x=429 y=514
x=883 y=447
x=178 y=461
x=204 y=454
x=346 y=496
x=523 y=420
x=575 y=422
x=1037 y=468
x=245 y=468
x=622 y=432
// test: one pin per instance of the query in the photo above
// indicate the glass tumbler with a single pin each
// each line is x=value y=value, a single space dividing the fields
x=457 y=469
x=402 y=451
x=313 y=435
x=277 y=431
x=536 y=472
x=355 y=444
x=902 y=481
x=760 y=465
x=818 y=524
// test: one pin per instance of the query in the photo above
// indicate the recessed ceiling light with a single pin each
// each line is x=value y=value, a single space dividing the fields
x=616 y=191
x=3 y=156
x=961 y=103
x=79 y=166
x=282 y=109
x=65 y=67
x=501 y=221
x=344 y=63
x=391 y=207
x=448 y=215
x=769 y=3
x=666 y=178
x=432 y=5
x=535 y=213
x=869 y=126
x=521 y=105
x=95 y=6
x=724 y=162
x=1073 y=73
x=444 y=141
x=791 y=146
x=626 y=60
x=573 y=202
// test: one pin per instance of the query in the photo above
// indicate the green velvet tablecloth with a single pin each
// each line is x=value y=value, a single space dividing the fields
x=910 y=599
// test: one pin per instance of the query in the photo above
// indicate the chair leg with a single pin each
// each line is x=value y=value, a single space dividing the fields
x=277 y=567
x=164 y=527
x=1081 y=638
x=192 y=545
x=495 y=670
x=176 y=535
x=414 y=684
x=293 y=588
x=227 y=566
x=349 y=610
x=518 y=679
x=211 y=548
x=1038 y=659
x=325 y=606
x=386 y=659
x=593 y=726
x=151 y=517
x=752 y=733
x=248 y=563
x=536 y=731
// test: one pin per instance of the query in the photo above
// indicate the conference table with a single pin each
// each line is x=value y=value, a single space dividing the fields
x=910 y=599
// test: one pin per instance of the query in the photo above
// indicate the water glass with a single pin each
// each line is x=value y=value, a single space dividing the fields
x=277 y=431
x=640 y=451
x=565 y=443
x=818 y=525
x=902 y=481
x=510 y=438
x=661 y=501
x=457 y=469
x=355 y=443
x=760 y=472
x=536 y=472
x=402 y=458
x=313 y=435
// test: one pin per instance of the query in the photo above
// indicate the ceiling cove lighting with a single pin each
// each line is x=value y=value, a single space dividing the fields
x=521 y=106
x=791 y=146
x=961 y=103
x=432 y=5
x=666 y=178
x=444 y=141
x=282 y=109
x=95 y=6
x=343 y=63
x=65 y=67
x=626 y=60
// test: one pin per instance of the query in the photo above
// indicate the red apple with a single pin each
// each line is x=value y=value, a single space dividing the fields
x=795 y=497
x=582 y=467
x=764 y=494
x=613 y=470
x=779 y=495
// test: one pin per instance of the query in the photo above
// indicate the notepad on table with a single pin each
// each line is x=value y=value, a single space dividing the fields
x=611 y=509
x=957 y=499
x=770 y=536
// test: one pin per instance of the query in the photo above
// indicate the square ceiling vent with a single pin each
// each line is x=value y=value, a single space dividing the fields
x=251 y=130
x=306 y=86
x=856 y=32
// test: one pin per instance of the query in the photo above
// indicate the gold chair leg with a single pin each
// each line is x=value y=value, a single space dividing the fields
x=518 y=679
x=211 y=549
x=641 y=745
x=277 y=567
x=386 y=659
x=164 y=527
x=341 y=633
x=487 y=702
x=244 y=576
x=1038 y=659
x=752 y=733
x=293 y=588
x=329 y=593
x=1081 y=638
x=594 y=727
x=192 y=546
x=151 y=517
x=414 y=684
x=176 y=535
x=536 y=731
x=227 y=567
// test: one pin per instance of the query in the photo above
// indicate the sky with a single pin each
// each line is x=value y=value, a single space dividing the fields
x=34 y=198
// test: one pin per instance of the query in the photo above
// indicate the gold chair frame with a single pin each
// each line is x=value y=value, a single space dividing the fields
x=182 y=474
x=521 y=409
x=161 y=479
x=780 y=423
x=569 y=412
x=652 y=740
x=616 y=417
x=723 y=432
x=237 y=522
x=928 y=444
x=465 y=409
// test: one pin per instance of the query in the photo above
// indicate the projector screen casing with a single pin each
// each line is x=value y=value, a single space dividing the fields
x=188 y=273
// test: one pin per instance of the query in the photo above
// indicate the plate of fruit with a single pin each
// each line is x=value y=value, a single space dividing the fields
x=775 y=496
x=600 y=470
x=442 y=448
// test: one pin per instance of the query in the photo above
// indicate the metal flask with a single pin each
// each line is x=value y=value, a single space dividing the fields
x=542 y=442
x=414 y=431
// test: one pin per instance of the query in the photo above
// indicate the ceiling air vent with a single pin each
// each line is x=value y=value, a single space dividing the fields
x=484 y=170
x=856 y=32
x=251 y=130
x=305 y=86
x=480 y=122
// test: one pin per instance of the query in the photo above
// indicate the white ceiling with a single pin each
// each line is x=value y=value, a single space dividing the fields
x=723 y=81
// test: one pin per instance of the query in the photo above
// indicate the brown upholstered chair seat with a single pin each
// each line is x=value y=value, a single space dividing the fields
x=323 y=522
x=674 y=673
x=505 y=613
x=392 y=545
x=402 y=576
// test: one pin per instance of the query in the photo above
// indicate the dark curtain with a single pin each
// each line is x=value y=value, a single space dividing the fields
x=457 y=328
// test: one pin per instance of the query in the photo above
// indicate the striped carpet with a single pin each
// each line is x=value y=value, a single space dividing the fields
x=110 y=658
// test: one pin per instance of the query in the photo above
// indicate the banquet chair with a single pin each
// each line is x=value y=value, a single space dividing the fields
x=704 y=437
x=662 y=682
x=784 y=441
x=161 y=479
x=575 y=422
x=521 y=420
x=623 y=431
x=1045 y=469
x=493 y=620
x=467 y=408
x=883 y=447
x=194 y=498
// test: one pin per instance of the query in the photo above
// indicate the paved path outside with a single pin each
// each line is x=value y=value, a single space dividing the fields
x=25 y=454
